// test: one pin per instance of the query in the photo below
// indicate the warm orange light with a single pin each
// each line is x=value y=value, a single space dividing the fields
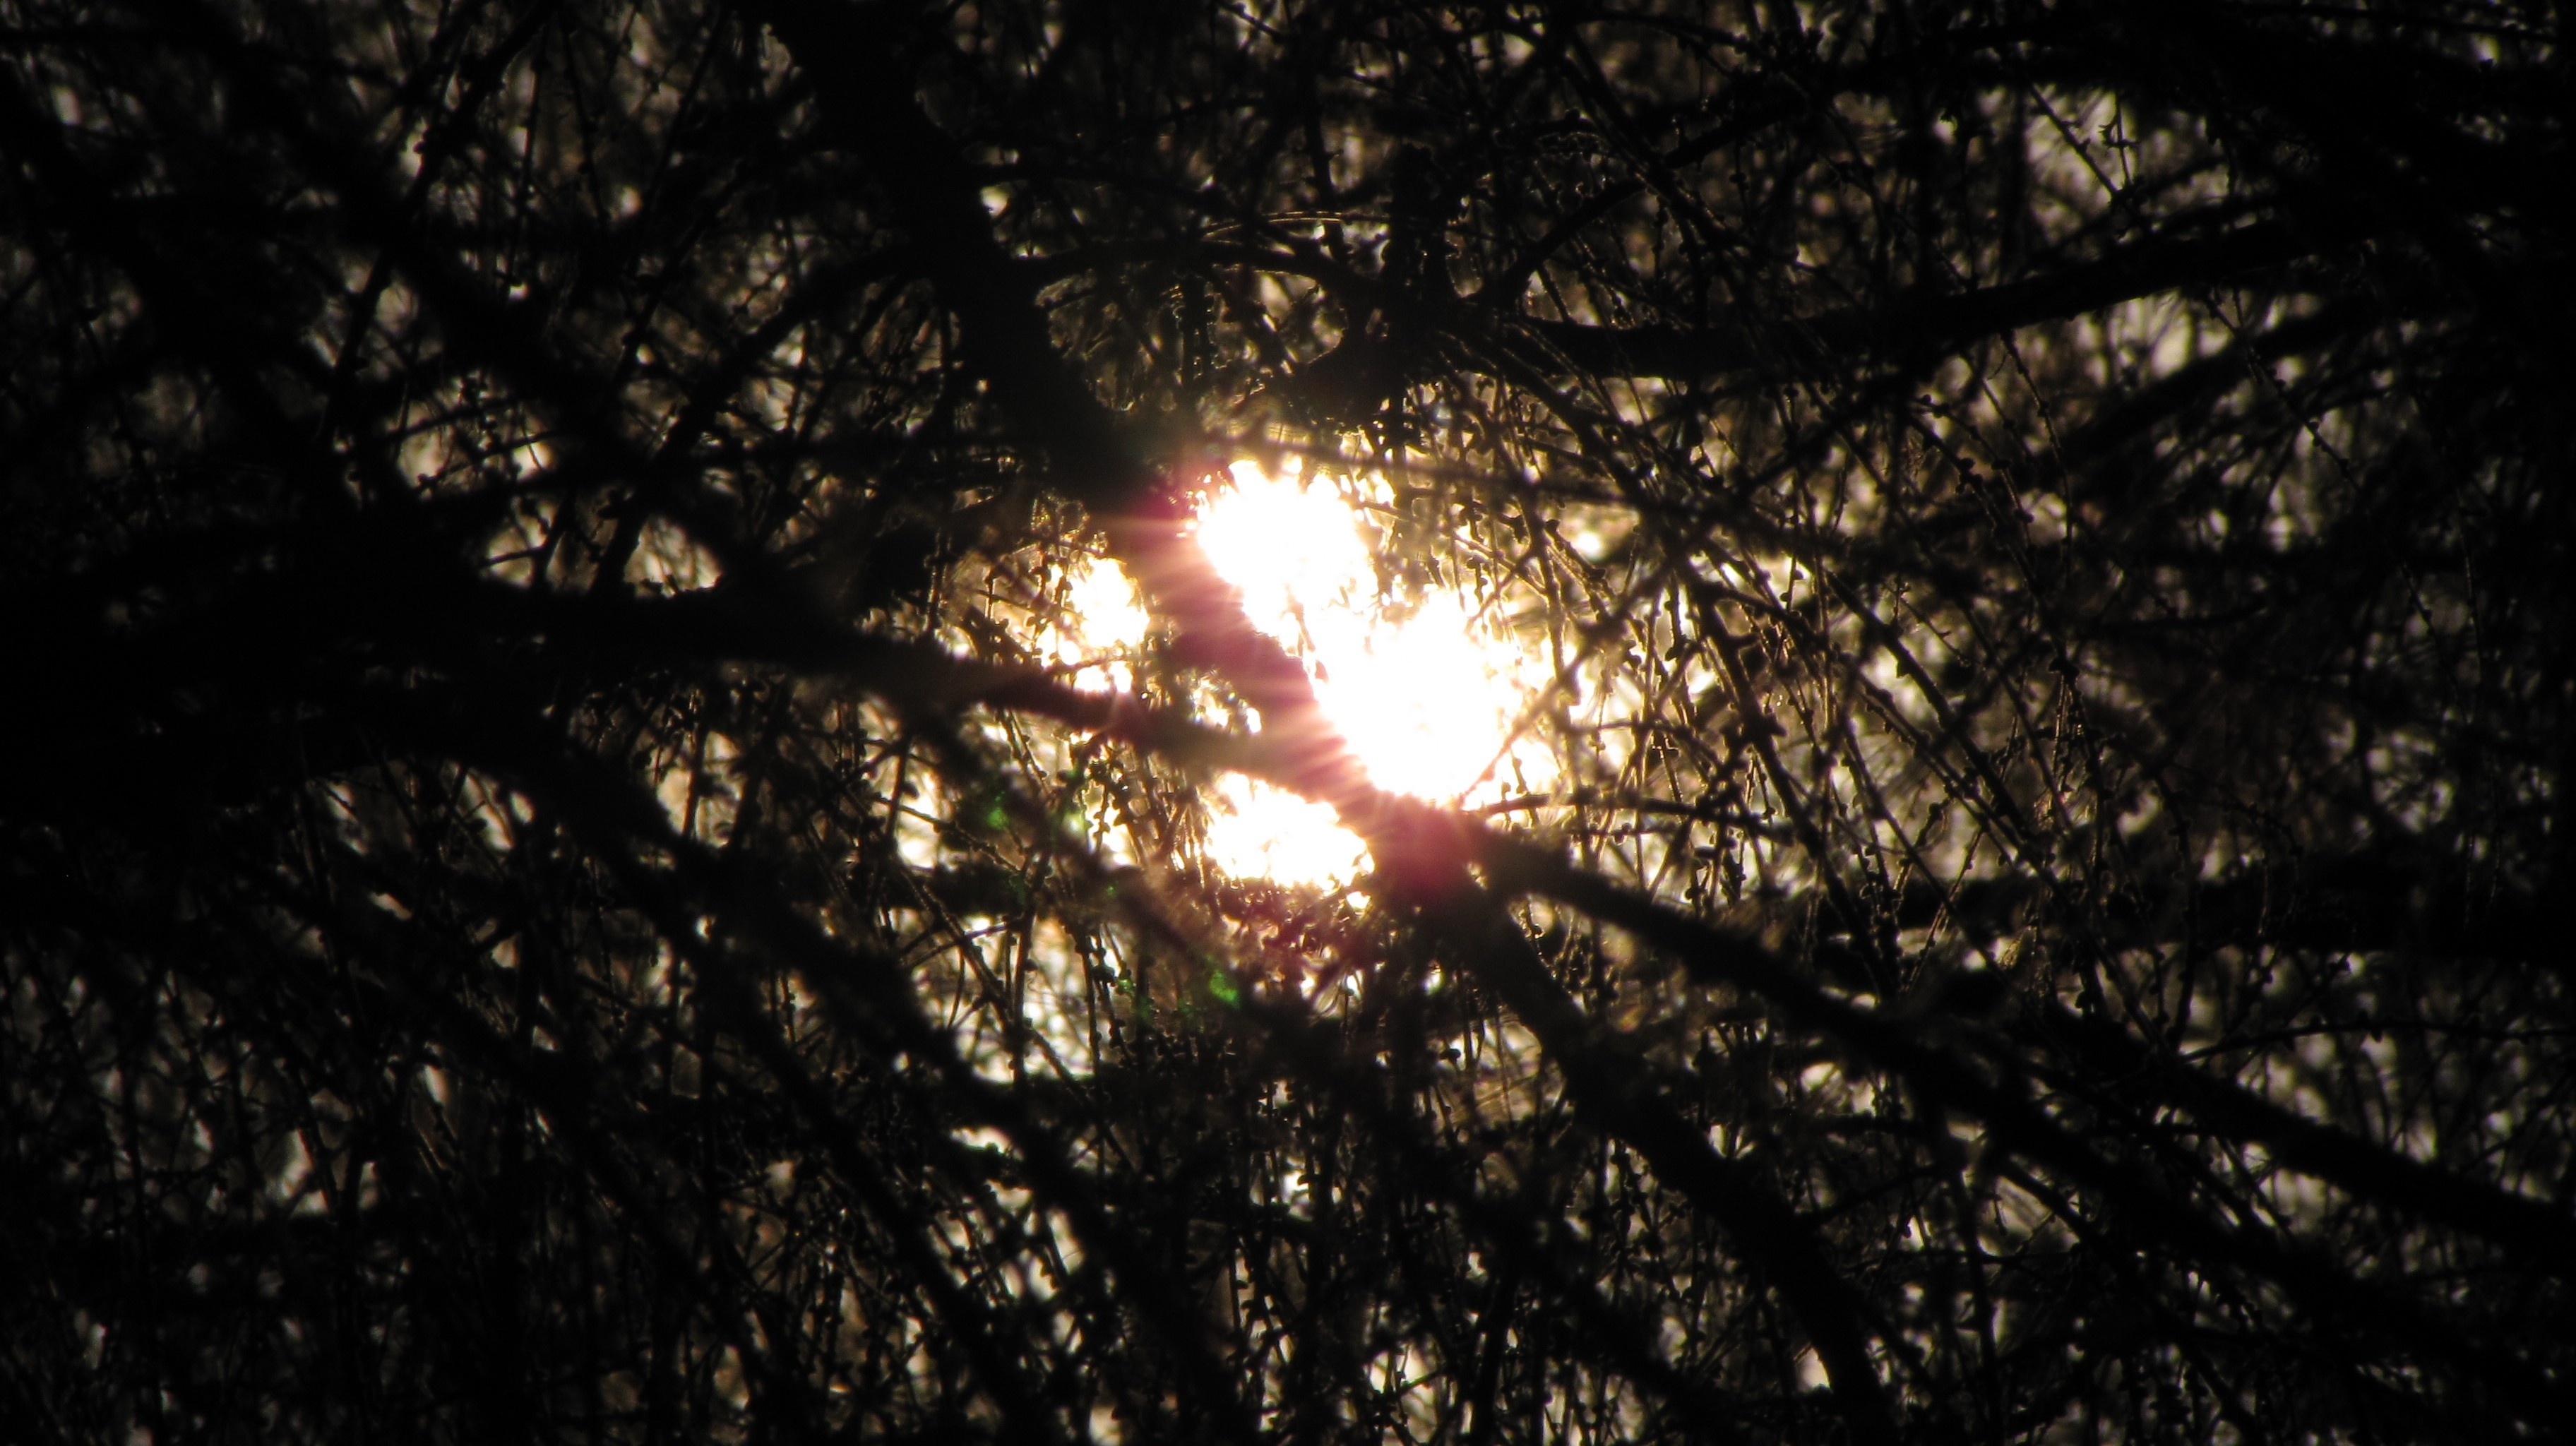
x=1424 y=689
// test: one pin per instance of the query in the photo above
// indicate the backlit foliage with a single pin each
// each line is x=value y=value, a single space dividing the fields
x=633 y=813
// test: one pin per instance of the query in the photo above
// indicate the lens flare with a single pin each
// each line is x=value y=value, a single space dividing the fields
x=1425 y=689
x=1423 y=685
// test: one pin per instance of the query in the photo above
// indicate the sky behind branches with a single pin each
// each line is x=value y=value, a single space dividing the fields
x=1306 y=721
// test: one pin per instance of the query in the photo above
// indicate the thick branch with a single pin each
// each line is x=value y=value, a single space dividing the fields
x=1005 y=339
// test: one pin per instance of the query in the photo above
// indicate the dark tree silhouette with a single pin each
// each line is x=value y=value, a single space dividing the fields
x=554 y=886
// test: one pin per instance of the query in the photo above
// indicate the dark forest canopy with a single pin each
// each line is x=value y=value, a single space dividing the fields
x=575 y=865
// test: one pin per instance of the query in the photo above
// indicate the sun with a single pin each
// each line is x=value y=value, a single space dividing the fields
x=1426 y=686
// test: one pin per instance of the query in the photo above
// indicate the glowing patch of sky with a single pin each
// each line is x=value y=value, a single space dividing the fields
x=1425 y=690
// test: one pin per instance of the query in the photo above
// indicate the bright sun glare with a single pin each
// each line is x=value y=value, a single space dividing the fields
x=1426 y=689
